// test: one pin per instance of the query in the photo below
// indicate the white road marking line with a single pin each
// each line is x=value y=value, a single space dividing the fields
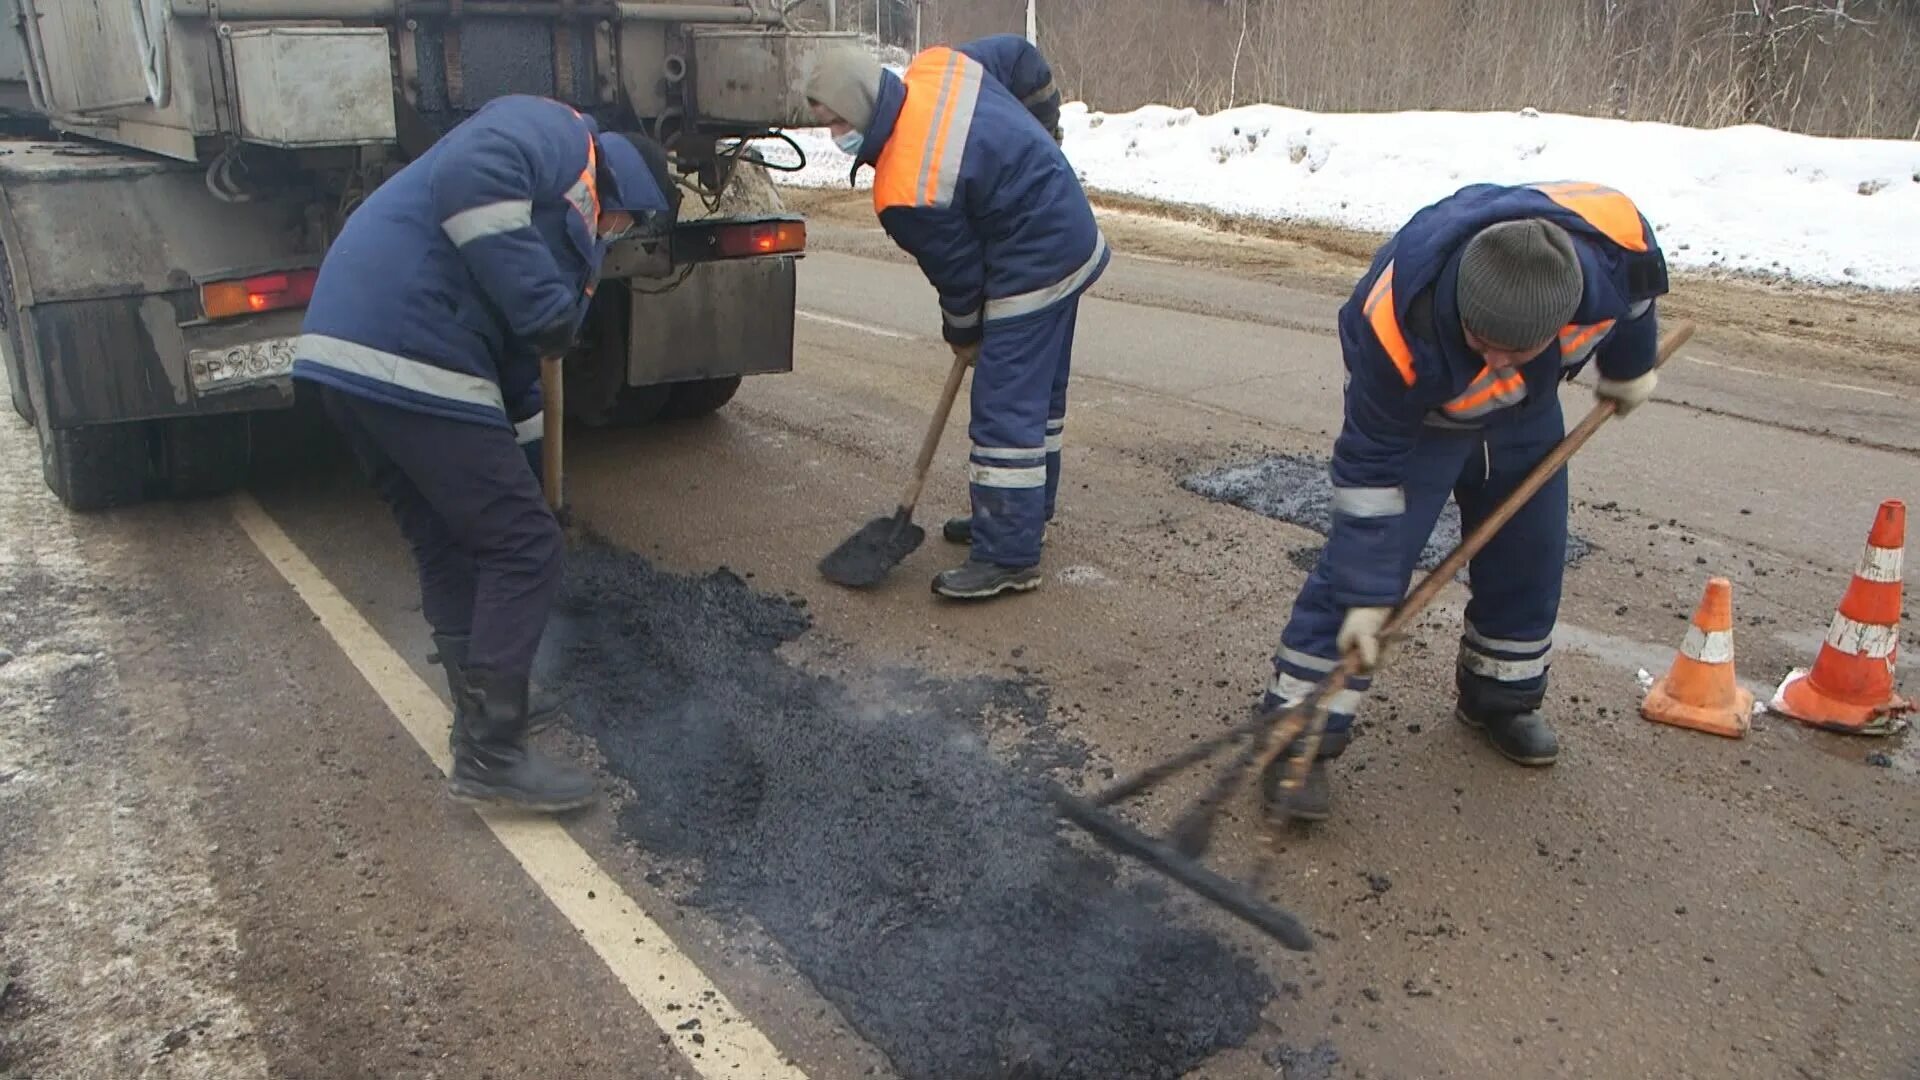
x=633 y=946
x=835 y=320
x=1793 y=378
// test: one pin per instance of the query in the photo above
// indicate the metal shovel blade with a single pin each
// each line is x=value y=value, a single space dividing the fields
x=866 y=557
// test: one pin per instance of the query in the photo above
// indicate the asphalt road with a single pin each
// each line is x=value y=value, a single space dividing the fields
x=226 y=852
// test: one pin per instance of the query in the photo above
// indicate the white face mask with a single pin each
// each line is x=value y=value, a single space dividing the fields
x=851 y=142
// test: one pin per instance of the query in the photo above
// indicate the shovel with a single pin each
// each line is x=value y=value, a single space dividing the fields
x=553 y=439
x=864 y=559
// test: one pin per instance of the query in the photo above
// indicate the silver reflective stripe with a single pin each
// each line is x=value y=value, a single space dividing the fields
x=1880 y=565
x=1292 y=691
x=532 y=429
x=1584 y=350
x=1708 y=646
x=967 y=92
x=581 y=196
x=1369 y=502
x=1019 y=454
x=1504 y=670
x=1056 y=442
x=492 y=219
x=1507 y=645
x=1639 y=309
x=1039 y=96
x=1438 y=419
x=961 y=322
x=1012 y=307
x=1058 y=423
x=1034 y=476
x=1869 y=640
x=1307 y=663
x=395 y=370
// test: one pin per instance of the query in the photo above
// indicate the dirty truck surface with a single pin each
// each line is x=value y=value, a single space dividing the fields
x=224 y=855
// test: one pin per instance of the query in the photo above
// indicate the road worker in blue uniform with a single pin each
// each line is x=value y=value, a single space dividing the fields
x=424 y=337
x=970 y=180
x=1455 y=343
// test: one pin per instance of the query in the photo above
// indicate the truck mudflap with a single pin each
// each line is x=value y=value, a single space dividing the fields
x=106 y=254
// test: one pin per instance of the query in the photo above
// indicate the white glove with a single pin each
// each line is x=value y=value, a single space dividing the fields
x=1360 y=633
x=1628 y=394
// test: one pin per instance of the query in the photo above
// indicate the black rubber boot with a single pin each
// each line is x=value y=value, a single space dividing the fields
x=975 y=580
x=1524 y=737
x=491 y=762
x=451 y=653
x=1313 y=800
x=959 y=530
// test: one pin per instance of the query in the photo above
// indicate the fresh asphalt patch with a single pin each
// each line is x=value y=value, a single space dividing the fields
x=1294 y=488
x=916 y=877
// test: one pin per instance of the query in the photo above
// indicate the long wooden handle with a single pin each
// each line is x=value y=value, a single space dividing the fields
x=553 y=441
x=1303 y=718
x=962 y=360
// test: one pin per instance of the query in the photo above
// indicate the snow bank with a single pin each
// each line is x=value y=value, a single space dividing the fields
x=1748 y=199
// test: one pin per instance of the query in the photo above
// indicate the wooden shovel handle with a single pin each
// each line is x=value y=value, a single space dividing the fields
x=962 y=360
x=553 y=438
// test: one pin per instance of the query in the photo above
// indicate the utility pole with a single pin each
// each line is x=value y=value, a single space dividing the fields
x=833 y=14
x=919 y=8
x=1033 y=22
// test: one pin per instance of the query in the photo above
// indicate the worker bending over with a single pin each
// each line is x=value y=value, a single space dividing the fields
x=1455 y=343
x=971 y=182
x=432 y=311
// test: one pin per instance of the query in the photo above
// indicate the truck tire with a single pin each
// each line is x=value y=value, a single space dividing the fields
x=17 y=381
x=637 y=406
x=700 y=398
x=205 y=455
x=97 y=466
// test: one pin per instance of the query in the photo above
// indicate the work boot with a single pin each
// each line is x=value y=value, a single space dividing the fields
x=976 y=580
x=959 y=530
x=1312 y=800
x=1523 y=737
x=491 y=762
x=450 y=652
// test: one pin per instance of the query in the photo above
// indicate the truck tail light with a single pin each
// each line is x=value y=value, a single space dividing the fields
x=761 y=238
x=264 y=292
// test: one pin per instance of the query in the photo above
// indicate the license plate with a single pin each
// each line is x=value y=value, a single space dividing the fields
x=214 y=370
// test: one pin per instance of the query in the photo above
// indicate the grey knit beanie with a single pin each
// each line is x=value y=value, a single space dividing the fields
x=1520 y=282
x=846 y=79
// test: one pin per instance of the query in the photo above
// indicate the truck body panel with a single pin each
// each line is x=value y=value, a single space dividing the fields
x=209 y=142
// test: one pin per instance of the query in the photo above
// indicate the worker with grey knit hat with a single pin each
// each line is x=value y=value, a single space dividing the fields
x=1455 y=344
x=969 y=179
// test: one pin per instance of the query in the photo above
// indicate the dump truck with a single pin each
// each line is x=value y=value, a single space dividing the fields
x=172 y=171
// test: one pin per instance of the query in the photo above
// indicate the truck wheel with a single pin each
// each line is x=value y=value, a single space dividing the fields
x=97 y=466
x=205 y=455
x=637 y=406
x=17 y=384
x=701 y=397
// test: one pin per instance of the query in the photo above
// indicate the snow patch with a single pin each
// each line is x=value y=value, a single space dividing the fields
x=1747 y=199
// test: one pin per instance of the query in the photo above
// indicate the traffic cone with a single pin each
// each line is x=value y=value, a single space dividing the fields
x=1850 y=688
x=1699 y=691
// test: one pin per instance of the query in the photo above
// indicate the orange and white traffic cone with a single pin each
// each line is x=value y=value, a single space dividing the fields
x=1699 y=691
x=1850 y=688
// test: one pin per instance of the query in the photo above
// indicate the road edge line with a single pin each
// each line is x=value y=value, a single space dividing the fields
x=662 y=980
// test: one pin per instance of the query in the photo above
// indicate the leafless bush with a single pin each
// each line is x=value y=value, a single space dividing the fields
x=1840 y=67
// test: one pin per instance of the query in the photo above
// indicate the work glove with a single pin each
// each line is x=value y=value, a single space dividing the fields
x=1360 y=634
x=968 y=353
x=1627 y=394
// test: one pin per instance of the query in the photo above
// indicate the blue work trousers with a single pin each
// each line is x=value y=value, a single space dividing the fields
x=1019 y=422
x=1507 y=643
x=487 y=548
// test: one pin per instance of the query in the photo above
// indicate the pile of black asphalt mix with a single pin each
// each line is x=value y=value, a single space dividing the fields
x=1294 y=488
x=919 y=881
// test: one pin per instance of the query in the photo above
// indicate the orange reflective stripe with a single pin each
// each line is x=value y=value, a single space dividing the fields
x=910 y=168
x=1576 y=335
x=1479 y=395
x=1603 y=208
x=1386 y=325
